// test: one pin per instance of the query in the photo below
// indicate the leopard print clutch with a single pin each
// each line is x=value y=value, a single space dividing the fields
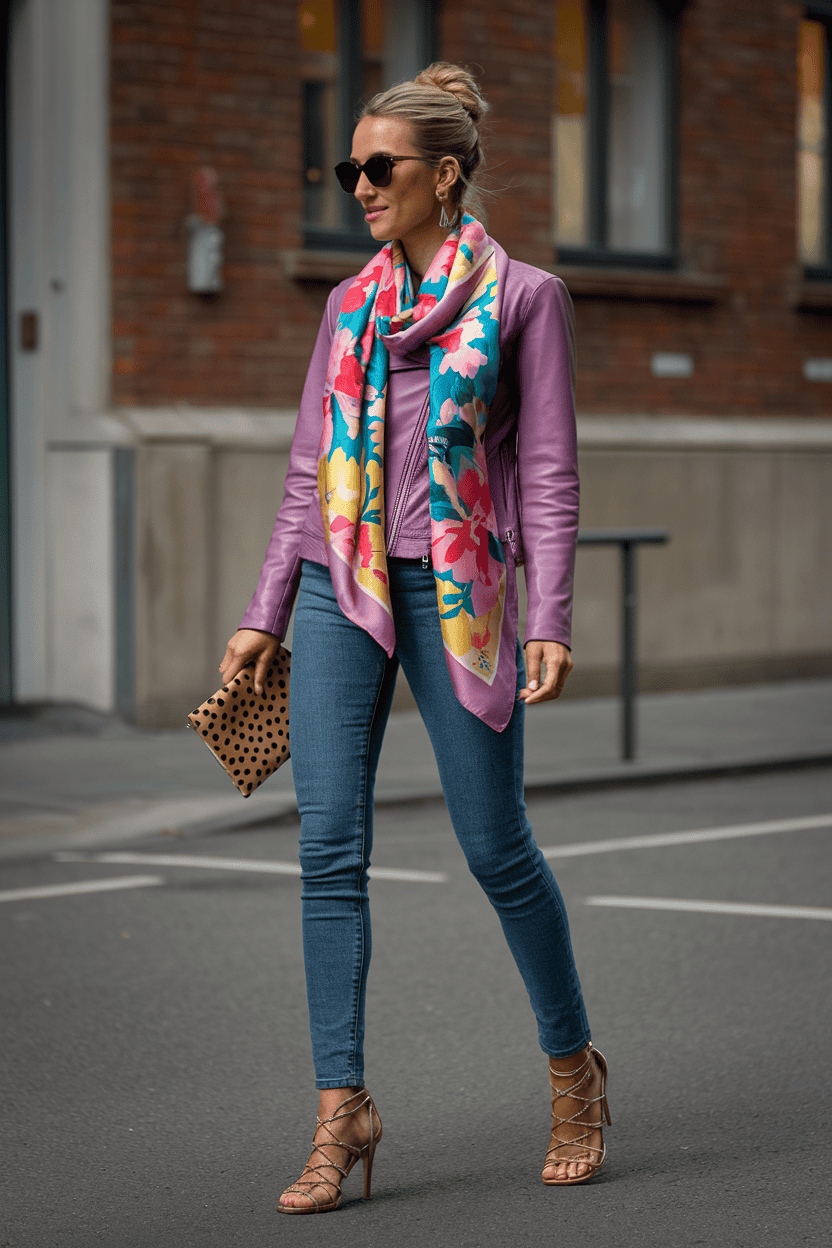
x=248 y=735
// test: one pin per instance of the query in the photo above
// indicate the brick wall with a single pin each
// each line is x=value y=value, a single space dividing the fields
x=511 y=43
x=737 y=219
x=215 y=82
x=207 y=82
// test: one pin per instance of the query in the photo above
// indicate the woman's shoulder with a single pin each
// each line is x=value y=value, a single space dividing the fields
x=516 y=274
x=523 y=286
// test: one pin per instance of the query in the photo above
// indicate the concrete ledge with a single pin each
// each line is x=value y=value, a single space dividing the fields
x=754 y=433
x=309 y=265
x=602 y=682
x=272 y=429
x=662 y=286
x=219 y=426
x=813 y=297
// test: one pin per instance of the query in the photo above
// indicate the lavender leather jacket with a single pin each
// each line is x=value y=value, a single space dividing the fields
x=530 y=448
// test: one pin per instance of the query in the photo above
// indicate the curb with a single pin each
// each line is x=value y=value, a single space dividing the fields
x=190 y=819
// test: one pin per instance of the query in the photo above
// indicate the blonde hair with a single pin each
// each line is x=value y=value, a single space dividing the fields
x=445 y=107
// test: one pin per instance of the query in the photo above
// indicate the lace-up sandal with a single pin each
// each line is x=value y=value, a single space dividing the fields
x=318 y=1183
x=575 y=1086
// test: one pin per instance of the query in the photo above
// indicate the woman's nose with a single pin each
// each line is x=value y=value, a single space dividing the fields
x=364 y=187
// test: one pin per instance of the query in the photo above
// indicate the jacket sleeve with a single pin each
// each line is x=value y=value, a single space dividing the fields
x=547 y=460
x=271 y=606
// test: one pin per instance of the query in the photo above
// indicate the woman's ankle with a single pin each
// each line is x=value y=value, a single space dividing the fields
x=330 y=1100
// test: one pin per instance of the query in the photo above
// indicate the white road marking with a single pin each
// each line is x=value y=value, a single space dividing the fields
x=80 y=886
x=242 y=864
x=804 y=824
x=408 y=877
x=713 y=907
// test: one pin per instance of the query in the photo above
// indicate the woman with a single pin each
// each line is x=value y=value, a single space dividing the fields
x=434 y=450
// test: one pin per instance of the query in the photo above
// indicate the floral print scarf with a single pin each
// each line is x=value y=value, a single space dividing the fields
x=456 y=312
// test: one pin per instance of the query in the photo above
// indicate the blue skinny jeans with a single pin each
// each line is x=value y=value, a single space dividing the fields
x=342 y=689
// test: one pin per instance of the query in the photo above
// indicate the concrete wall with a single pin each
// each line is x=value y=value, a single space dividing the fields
x=739 y=593
x=204 y=515
x=736 y=596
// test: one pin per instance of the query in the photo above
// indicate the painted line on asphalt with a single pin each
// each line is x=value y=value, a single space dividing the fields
x=747 y=909
x=80 y=886
x=265 y=867
x=803 y=824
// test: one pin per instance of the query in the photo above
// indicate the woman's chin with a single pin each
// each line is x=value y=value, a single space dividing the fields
x=380 y=232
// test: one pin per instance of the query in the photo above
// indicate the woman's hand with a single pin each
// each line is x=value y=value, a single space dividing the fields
x=248 y=646
x=558 y=663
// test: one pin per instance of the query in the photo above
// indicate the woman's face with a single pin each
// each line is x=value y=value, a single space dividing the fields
x=408 y=206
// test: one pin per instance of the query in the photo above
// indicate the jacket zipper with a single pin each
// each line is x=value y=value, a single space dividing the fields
x=510 y=538
x=407 y=472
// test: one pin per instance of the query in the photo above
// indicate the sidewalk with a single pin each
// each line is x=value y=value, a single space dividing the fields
x=71 y=778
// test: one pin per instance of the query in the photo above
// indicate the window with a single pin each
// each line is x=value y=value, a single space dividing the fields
x=350 y=49
x=814 y=209
x=613 y=132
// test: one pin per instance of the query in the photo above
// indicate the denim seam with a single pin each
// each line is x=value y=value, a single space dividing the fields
x=362 y=867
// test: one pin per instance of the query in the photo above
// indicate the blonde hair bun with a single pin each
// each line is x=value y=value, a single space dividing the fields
x=457 y=82
x=444 y=108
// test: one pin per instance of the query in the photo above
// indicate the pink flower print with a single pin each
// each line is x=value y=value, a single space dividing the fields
x=349 y=379
x=484 y=593
x=341 y=535
x=426 y=304
x=448 y=412
x=357 y=294
x=365 y=545
x=458 y=354
x=475 y=494
x=462 y=551
x=450 y=340
x=481 y=640
x=387 y=301
x=344 y=342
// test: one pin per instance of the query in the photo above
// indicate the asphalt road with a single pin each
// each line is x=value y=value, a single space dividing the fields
x=157 y=1084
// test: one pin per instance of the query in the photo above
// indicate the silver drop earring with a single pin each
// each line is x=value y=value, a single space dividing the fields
x=445 y=222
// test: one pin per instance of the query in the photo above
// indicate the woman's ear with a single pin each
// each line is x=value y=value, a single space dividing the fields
x=448 y=174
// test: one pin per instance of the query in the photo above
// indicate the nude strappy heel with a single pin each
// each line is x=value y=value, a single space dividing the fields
x=331 y=1188
x=578 y=1078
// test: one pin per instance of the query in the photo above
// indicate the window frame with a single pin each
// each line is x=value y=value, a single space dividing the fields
x=597 y=253
x=351 y=234
x=821 y=11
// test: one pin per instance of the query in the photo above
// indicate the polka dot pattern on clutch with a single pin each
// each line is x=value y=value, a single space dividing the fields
x=248 y=734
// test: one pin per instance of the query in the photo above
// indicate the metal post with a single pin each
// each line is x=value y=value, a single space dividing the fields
x=629 y=657
x=124 y=575
x=629 y=541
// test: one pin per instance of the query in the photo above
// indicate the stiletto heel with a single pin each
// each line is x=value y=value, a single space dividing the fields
x=370 y=1154
x=331 y=1186
x=582 y=1118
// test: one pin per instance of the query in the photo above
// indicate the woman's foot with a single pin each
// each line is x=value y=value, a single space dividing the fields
x=579 y=1103
x=348 y=1128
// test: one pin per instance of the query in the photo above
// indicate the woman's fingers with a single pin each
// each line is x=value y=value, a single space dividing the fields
x=534 y=655
x=263 y=664
x=249 y=646
x=556 y=661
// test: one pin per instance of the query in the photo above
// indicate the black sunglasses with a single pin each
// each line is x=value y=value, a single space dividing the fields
x=378 y=170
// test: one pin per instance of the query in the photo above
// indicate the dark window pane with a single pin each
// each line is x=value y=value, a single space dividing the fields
x=635 y=146
x=317 y=21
